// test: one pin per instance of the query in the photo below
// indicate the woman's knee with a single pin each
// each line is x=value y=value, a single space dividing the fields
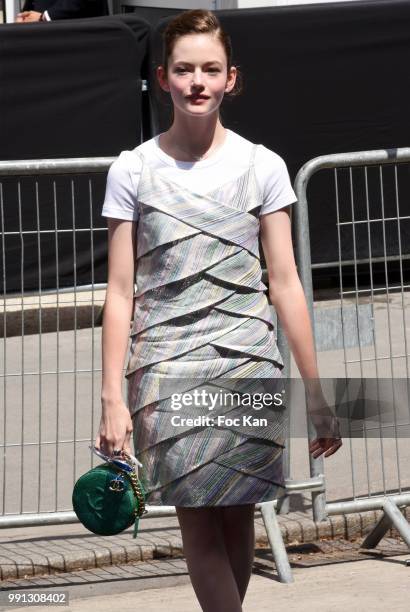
x=238 y=519
x=242 y=513
x=200 y=526
x=200 y=513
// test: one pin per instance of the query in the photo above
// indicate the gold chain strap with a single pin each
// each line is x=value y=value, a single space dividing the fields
x=136 y=486
x=140 y=510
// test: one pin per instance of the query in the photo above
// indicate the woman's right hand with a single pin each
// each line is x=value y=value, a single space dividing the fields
x=115 y=427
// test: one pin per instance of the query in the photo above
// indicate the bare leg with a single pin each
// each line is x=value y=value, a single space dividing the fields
x=208 y=563
x=239 y=535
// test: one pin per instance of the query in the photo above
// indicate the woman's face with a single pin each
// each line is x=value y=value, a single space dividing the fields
x=197 y=76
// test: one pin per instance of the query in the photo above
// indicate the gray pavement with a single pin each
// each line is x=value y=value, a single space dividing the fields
x=327 y=576
x=353 y=586
x=46 y=550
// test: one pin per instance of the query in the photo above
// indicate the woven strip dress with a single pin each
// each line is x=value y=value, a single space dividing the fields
x=202 y=318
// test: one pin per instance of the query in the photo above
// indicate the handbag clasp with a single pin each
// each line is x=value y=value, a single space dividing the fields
x=117 y=484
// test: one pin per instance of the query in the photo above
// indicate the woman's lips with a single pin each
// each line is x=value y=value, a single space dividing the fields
x=197 y=98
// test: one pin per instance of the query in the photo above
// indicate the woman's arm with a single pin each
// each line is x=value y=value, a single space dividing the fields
x=286 y=291
x=117 y=307
x=116 y=425
x=287 y=296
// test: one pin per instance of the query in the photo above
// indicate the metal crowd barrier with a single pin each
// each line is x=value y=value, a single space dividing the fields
x=50 y=382
x=378 y=463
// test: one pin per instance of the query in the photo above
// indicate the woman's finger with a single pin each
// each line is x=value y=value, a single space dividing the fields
x=97 y=442
x=334 y=448
x=318 y=443
x=324 y=445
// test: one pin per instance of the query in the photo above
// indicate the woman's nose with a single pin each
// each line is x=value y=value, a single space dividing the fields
x=197 y=78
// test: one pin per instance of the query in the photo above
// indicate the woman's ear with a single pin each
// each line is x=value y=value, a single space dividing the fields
x=231 y=79
x=162 y=78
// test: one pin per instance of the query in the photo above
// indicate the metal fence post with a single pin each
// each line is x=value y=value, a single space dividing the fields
x=303 y=261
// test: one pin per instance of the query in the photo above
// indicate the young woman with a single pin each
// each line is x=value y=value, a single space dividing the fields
x=186 y=209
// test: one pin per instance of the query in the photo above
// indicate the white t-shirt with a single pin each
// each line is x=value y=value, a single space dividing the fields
x=228 y=162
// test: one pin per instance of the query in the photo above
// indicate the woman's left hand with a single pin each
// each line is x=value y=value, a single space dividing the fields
x=326 y=423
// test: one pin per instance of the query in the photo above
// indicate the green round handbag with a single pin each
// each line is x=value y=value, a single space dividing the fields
x=108 y=499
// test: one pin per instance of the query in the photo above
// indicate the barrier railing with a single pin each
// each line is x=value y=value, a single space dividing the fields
x=370 y=208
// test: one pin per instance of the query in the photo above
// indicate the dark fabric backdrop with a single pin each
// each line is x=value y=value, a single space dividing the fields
x=68 y=9
x=69 y=89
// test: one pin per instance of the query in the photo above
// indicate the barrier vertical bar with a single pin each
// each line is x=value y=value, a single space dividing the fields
x=303 y=259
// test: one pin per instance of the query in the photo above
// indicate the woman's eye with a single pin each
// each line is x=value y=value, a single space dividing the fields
x=181 y=70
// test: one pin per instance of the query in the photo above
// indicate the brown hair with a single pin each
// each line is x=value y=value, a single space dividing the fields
x=199 y=21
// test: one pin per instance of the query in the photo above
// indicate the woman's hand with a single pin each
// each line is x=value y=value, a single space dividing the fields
x=326 y=423
x=115 y=427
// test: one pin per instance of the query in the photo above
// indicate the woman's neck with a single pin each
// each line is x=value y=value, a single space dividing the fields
x=190 y=137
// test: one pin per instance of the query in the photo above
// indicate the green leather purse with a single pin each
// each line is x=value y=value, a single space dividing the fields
x=110 y=498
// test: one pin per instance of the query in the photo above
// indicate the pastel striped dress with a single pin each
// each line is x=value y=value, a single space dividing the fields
x=202 y=321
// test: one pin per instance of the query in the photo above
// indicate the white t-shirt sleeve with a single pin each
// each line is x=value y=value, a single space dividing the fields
x=121 y=200
x=274 y=177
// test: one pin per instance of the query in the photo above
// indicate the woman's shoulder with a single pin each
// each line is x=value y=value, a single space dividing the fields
x=268 y=158
x=131 y=159
x=263 y=155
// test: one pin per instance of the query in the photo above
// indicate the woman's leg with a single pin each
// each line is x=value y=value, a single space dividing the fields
x=208 y=562
x=239 y=535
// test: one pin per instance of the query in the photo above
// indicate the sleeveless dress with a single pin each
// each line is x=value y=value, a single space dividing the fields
x=202 y=321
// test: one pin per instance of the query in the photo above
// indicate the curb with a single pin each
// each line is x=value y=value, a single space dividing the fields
x=28 y=557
